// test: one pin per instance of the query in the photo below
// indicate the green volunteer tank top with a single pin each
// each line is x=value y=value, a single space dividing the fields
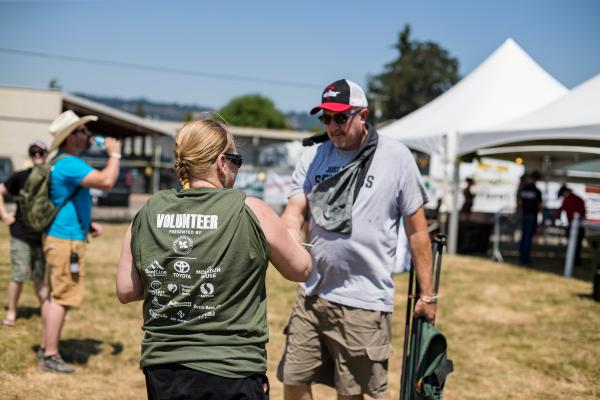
x=202 y=257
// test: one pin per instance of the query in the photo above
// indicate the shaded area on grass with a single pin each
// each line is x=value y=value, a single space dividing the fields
x=79 y=351
x=27 y=312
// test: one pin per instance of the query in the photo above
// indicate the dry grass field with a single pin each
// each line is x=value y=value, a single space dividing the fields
x=513 y=333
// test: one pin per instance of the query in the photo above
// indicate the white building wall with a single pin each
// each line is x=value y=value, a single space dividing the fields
x=25 y=115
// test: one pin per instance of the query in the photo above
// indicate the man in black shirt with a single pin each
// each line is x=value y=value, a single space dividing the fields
x=529 y=204
x=26 y=252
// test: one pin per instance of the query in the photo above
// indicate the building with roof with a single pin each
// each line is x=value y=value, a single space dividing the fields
x=26 y=113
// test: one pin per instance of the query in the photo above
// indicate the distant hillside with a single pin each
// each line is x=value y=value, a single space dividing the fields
x=177 y=112
x=303 y=121
x=148 y=108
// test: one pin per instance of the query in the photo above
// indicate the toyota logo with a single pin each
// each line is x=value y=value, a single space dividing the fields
x=181 y=266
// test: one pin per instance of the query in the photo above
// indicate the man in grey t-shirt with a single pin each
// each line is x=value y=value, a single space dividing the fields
x=352 y=190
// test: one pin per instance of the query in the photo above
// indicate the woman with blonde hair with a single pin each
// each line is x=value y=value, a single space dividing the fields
x=197 y=257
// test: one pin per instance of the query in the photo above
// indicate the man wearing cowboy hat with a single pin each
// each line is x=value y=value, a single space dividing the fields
x=65 y=240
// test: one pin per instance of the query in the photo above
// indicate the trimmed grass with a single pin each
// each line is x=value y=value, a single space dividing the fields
x=513 y=333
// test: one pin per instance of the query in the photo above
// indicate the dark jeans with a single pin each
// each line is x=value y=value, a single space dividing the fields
x=176 y=382
x=528 y=228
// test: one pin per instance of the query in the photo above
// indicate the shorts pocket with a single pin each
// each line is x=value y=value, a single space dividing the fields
x=363 y=320
x=379 y=353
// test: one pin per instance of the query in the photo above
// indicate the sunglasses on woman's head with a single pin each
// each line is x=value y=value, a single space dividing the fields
x=237 y=159
x=339 y=118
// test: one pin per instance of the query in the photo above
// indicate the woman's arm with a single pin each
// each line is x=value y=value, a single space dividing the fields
x=287 y=255
x=129 y=283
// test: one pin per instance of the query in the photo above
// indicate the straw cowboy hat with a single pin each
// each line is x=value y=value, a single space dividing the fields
x=66 y=123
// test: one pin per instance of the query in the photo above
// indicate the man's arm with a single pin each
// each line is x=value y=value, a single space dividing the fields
x=5 y=216
x=295 y=215
x=106 y=178
x=415 y=226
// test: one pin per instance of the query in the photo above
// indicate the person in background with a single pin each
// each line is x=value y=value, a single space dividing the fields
x=197 y=257
x=469 y=197
x=572 y=204
x=27 y=256
x=529 y=205
x=65 y=240
x=351 y=189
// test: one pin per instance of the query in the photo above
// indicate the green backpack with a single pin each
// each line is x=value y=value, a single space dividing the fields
x=433 y=366
x=34 y=201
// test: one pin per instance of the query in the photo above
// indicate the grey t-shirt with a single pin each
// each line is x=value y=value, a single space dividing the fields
x=356 y=269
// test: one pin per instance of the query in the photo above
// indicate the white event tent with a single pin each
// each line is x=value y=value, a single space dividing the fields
x=572 y=121
x=507 y=85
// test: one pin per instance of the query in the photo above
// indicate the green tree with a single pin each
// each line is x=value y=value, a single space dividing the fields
x=253 y=110
x=422 y=71
x=189 y=116
x=139 y=108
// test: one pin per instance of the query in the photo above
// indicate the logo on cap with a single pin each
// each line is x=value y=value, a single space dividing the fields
x=330 y=93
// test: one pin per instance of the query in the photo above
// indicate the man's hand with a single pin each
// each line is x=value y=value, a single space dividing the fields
x=8 y=218
x=112 y=145
x=426 y=310
x=96 y=229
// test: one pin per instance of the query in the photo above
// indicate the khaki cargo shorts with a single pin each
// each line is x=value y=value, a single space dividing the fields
x=65 y=288
x=27 y=260
x=343 y=347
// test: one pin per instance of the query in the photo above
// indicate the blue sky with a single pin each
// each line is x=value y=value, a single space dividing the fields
x=307 y=42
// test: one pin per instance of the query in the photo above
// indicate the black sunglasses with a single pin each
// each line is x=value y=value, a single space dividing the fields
x=37 y=153
x=340 y=118
x=84 y=131
x=237 y=159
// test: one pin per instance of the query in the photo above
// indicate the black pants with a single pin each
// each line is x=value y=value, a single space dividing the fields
x=176 y=382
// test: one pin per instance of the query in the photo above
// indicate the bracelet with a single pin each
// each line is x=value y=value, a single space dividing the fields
x=115 y=155
x=430 y=299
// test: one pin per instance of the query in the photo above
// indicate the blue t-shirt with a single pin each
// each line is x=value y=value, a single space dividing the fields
x=67 y=174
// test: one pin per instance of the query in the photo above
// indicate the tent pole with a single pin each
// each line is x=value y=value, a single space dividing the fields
x=571 y=246
x=454 y=166
x=547 y=171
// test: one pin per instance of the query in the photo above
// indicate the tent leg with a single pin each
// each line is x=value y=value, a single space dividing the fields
x=453 y=163
x=571 y=247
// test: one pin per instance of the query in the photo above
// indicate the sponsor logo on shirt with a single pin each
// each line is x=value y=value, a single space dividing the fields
x=182 y=269
x=155 y=269
x=208 y=314
x=206 y=306
x=156 y=314
x=156 y=288
x=186 y=289
x=207 y=289
x=181 y=266
x=183 y=245
x=208 y=272
x=172 y=288
x=156 y=303
x=174 y=303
